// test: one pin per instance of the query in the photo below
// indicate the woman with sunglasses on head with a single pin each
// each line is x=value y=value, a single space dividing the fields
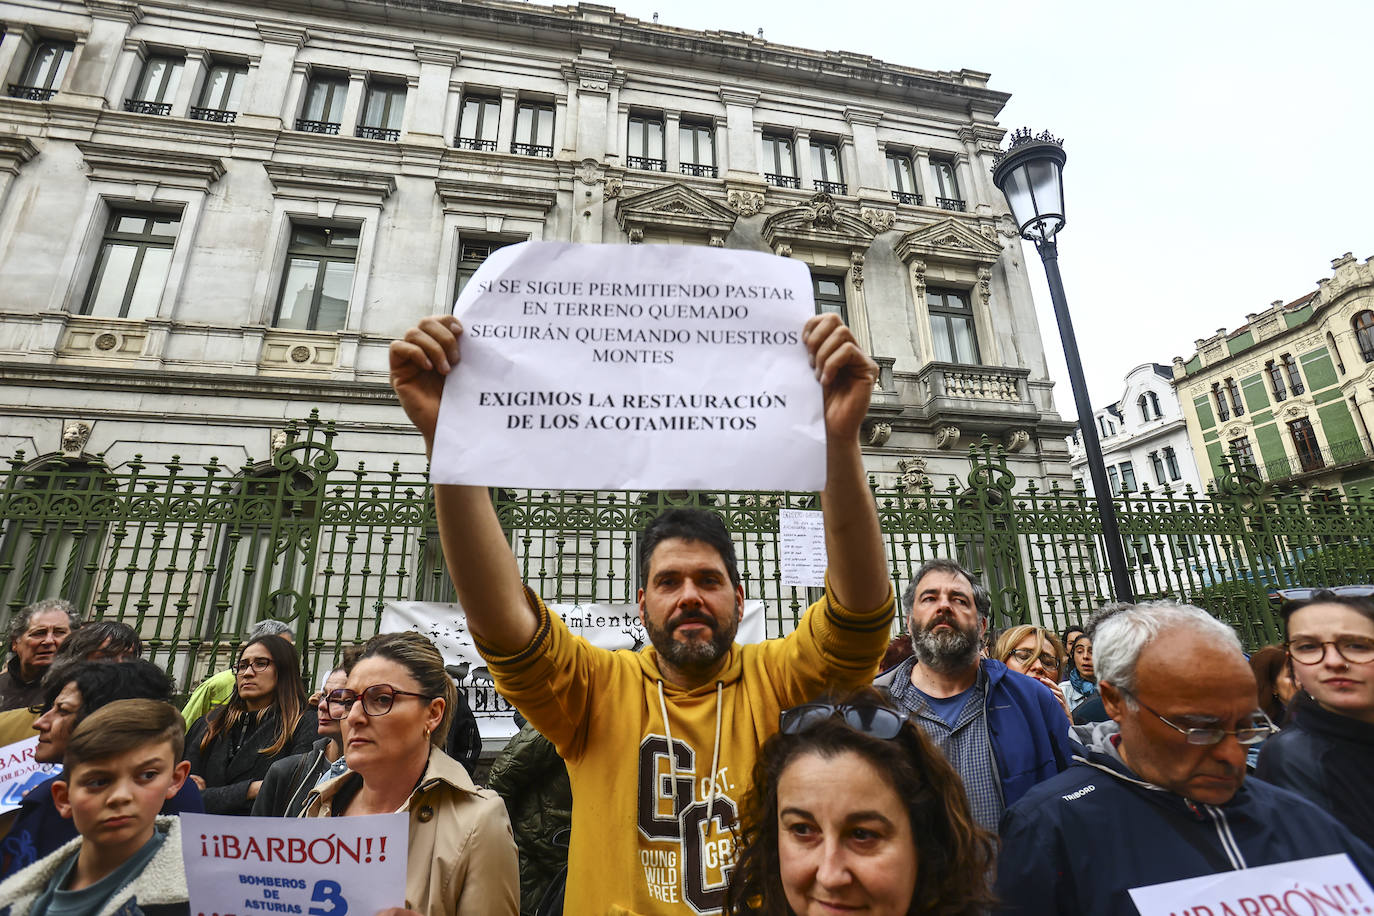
x=1034 y=652
x=1080 y=683
x=1326 y=751
x=396 y=710
x=266 y=719
x=853 y=809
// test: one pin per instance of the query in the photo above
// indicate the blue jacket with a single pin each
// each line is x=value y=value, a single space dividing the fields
x=1027 y=727
x=1079 y=842
x=38 y=830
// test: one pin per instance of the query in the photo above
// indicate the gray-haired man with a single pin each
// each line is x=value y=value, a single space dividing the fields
x=1003 y=731
x=36 y=634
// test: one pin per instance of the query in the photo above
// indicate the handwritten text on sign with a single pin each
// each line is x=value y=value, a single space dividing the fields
x=633 y=367
x=1324 y=886
x=324 y=866
x=803 y=558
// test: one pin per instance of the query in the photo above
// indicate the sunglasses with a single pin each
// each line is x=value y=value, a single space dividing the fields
x=874 y=721
x=1305 y=594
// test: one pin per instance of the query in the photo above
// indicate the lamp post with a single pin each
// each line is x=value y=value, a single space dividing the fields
x=1030 y=174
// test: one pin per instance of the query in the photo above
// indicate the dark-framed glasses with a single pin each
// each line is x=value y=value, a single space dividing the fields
x=1357 y=650
x=256 y=664
x=1025 y=656
x=1254 y=732
x=377 y=699
x=875 y=721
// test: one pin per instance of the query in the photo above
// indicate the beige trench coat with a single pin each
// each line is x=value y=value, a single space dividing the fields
x=462 y=859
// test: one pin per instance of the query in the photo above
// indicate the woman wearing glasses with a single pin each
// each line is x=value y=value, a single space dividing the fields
x=266 y=719
x=1034 y=652
x=1326 y=752
x=396 y=711
x=854 y=809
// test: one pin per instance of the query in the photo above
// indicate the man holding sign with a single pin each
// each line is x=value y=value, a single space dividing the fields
x=1161 y=795
x=660 y=744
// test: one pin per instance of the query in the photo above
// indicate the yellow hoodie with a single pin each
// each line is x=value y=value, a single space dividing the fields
x=654 y=799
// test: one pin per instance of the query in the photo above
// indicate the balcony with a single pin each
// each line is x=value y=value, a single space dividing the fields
x=378 y=133
x=482 y=146
x=950 y=203
x=830 y=187
x=907 y=197
x=646 y=164
x=213 y=114
x=1311 y=461
x=32 y=93
x=699 y=171
x=143 y=106
x=532 y=149
x=974 y=396
x=317 y=127
x=782 y=181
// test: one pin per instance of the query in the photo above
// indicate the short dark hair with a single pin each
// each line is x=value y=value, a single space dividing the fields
x=122 y=726
x=20 y=624
x=1357 y=603
x=102 y=683
x=982 y=598
x=91 y=636
x=953 y=854
x=689 y=525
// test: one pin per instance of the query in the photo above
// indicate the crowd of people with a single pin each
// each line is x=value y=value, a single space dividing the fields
x=952 y=771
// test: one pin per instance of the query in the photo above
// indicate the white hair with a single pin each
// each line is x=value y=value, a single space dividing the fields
x=1119 y=639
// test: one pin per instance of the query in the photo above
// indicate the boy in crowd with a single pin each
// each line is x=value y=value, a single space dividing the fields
x=120 y=767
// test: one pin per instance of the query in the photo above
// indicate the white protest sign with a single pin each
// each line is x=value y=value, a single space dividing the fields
x=802 y=550
x=318 y=865
x=622 y=367
x=1324 y=886
x=608 y=626
x=19 y=772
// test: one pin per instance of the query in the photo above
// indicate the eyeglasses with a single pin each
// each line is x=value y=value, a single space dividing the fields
x=1357 y=650
x=257 y=664
x=1024 y=656
x=377 y=699
x=875 y=721
x=1254 y=733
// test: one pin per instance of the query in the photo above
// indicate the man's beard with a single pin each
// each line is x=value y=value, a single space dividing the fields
x=696 y=654
x=946 y=651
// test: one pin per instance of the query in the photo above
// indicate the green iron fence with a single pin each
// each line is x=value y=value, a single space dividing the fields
x=191 y=556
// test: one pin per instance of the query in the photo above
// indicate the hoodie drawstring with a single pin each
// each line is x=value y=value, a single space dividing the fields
x=715 y=757
x=672 y=757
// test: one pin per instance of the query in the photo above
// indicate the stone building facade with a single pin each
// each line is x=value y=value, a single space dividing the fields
x=214 y=216
x=1144 y=438
x=1290 y=394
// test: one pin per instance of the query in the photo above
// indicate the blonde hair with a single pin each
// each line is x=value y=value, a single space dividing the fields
x=1010 y=639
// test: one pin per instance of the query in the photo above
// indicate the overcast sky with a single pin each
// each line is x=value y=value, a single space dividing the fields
x=1219 y=151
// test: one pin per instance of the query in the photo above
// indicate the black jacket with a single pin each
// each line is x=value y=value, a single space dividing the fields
x=286 y=788
x=533 y=781
x=15 y=692
x=227 y=778
x=1328 y=759
x=1078 y=842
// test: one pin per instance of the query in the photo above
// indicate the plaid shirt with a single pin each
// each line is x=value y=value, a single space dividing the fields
x=965 y=744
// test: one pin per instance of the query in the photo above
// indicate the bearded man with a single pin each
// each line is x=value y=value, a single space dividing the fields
x=1003 y=731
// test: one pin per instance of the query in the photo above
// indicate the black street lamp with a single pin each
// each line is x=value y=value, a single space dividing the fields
x=1030 y=174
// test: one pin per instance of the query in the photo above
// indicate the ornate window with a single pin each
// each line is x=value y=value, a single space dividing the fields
x=947 y=195
x=324 y=103
x=131 y=268
x=826 y=174
x=1290 y=366
x=1149 y=406
x=43 y=73
x=1158 y=467
x=646 y=143
x=157 y=85
x=1305 y=443
x=478 y=123
x=1223 y=412
x=952 y=326
x=471 y=256
x=1243 y=454
x=1363 y=323
x=1233 y=392
x=219 y=96
x=318 y=278
x=697 y=149
x=382 y=110
x=779 y=162
x=1276 y=380
x=533 y=129
x=903 y=176
x=1171 y=462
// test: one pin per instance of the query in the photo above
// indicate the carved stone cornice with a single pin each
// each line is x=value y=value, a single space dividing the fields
x=677 y=209
x=737 y=95
x=819 y=223
x=948 y=240
x=856 y=115
x=274 y=34
x=322 y=182
x=15 y=151
x=150 y=165
x=438 y=54
x=485 y=197
x=117 y=10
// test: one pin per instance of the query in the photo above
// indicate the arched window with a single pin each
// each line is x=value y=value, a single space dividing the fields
x=1144 y=408
x=1148 y=403
x=1364 y=334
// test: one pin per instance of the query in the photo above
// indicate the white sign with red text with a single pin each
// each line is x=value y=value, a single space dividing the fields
x=1324 y=886
x=631 y=367
x=327 y=866
x=19 y=772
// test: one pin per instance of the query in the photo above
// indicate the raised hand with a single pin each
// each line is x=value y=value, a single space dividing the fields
x=846 y=374
x=419 y=362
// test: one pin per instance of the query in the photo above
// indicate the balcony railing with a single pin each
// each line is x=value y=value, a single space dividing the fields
x=214 y=114
x=532 y=149
x=974 y=383
x=378 y=133
x=143 y=106
x=830 y=187
x=907 y=197
x=317 y=127
x=950 y=203
x=782 y=181
x=485 y=146
x=647 y=164
x=700 y=171
x=32 y=93
x=1311 y=460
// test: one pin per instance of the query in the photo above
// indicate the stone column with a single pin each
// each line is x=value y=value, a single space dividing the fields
x=14 y=152
x=924 y=185
x=741 y=143
x=982 y=191
x=593 y=101
x=969 y=189
x=505 y=126
x=94 y=65
x=294 y=100
x=672 y=141
x=869 y=178
x=264 y=104
x=720 y=139
x=801 y=156
x=196 y=66
x=353 y=103
x=427 y=104
x=15 y=48
x=122 y=82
